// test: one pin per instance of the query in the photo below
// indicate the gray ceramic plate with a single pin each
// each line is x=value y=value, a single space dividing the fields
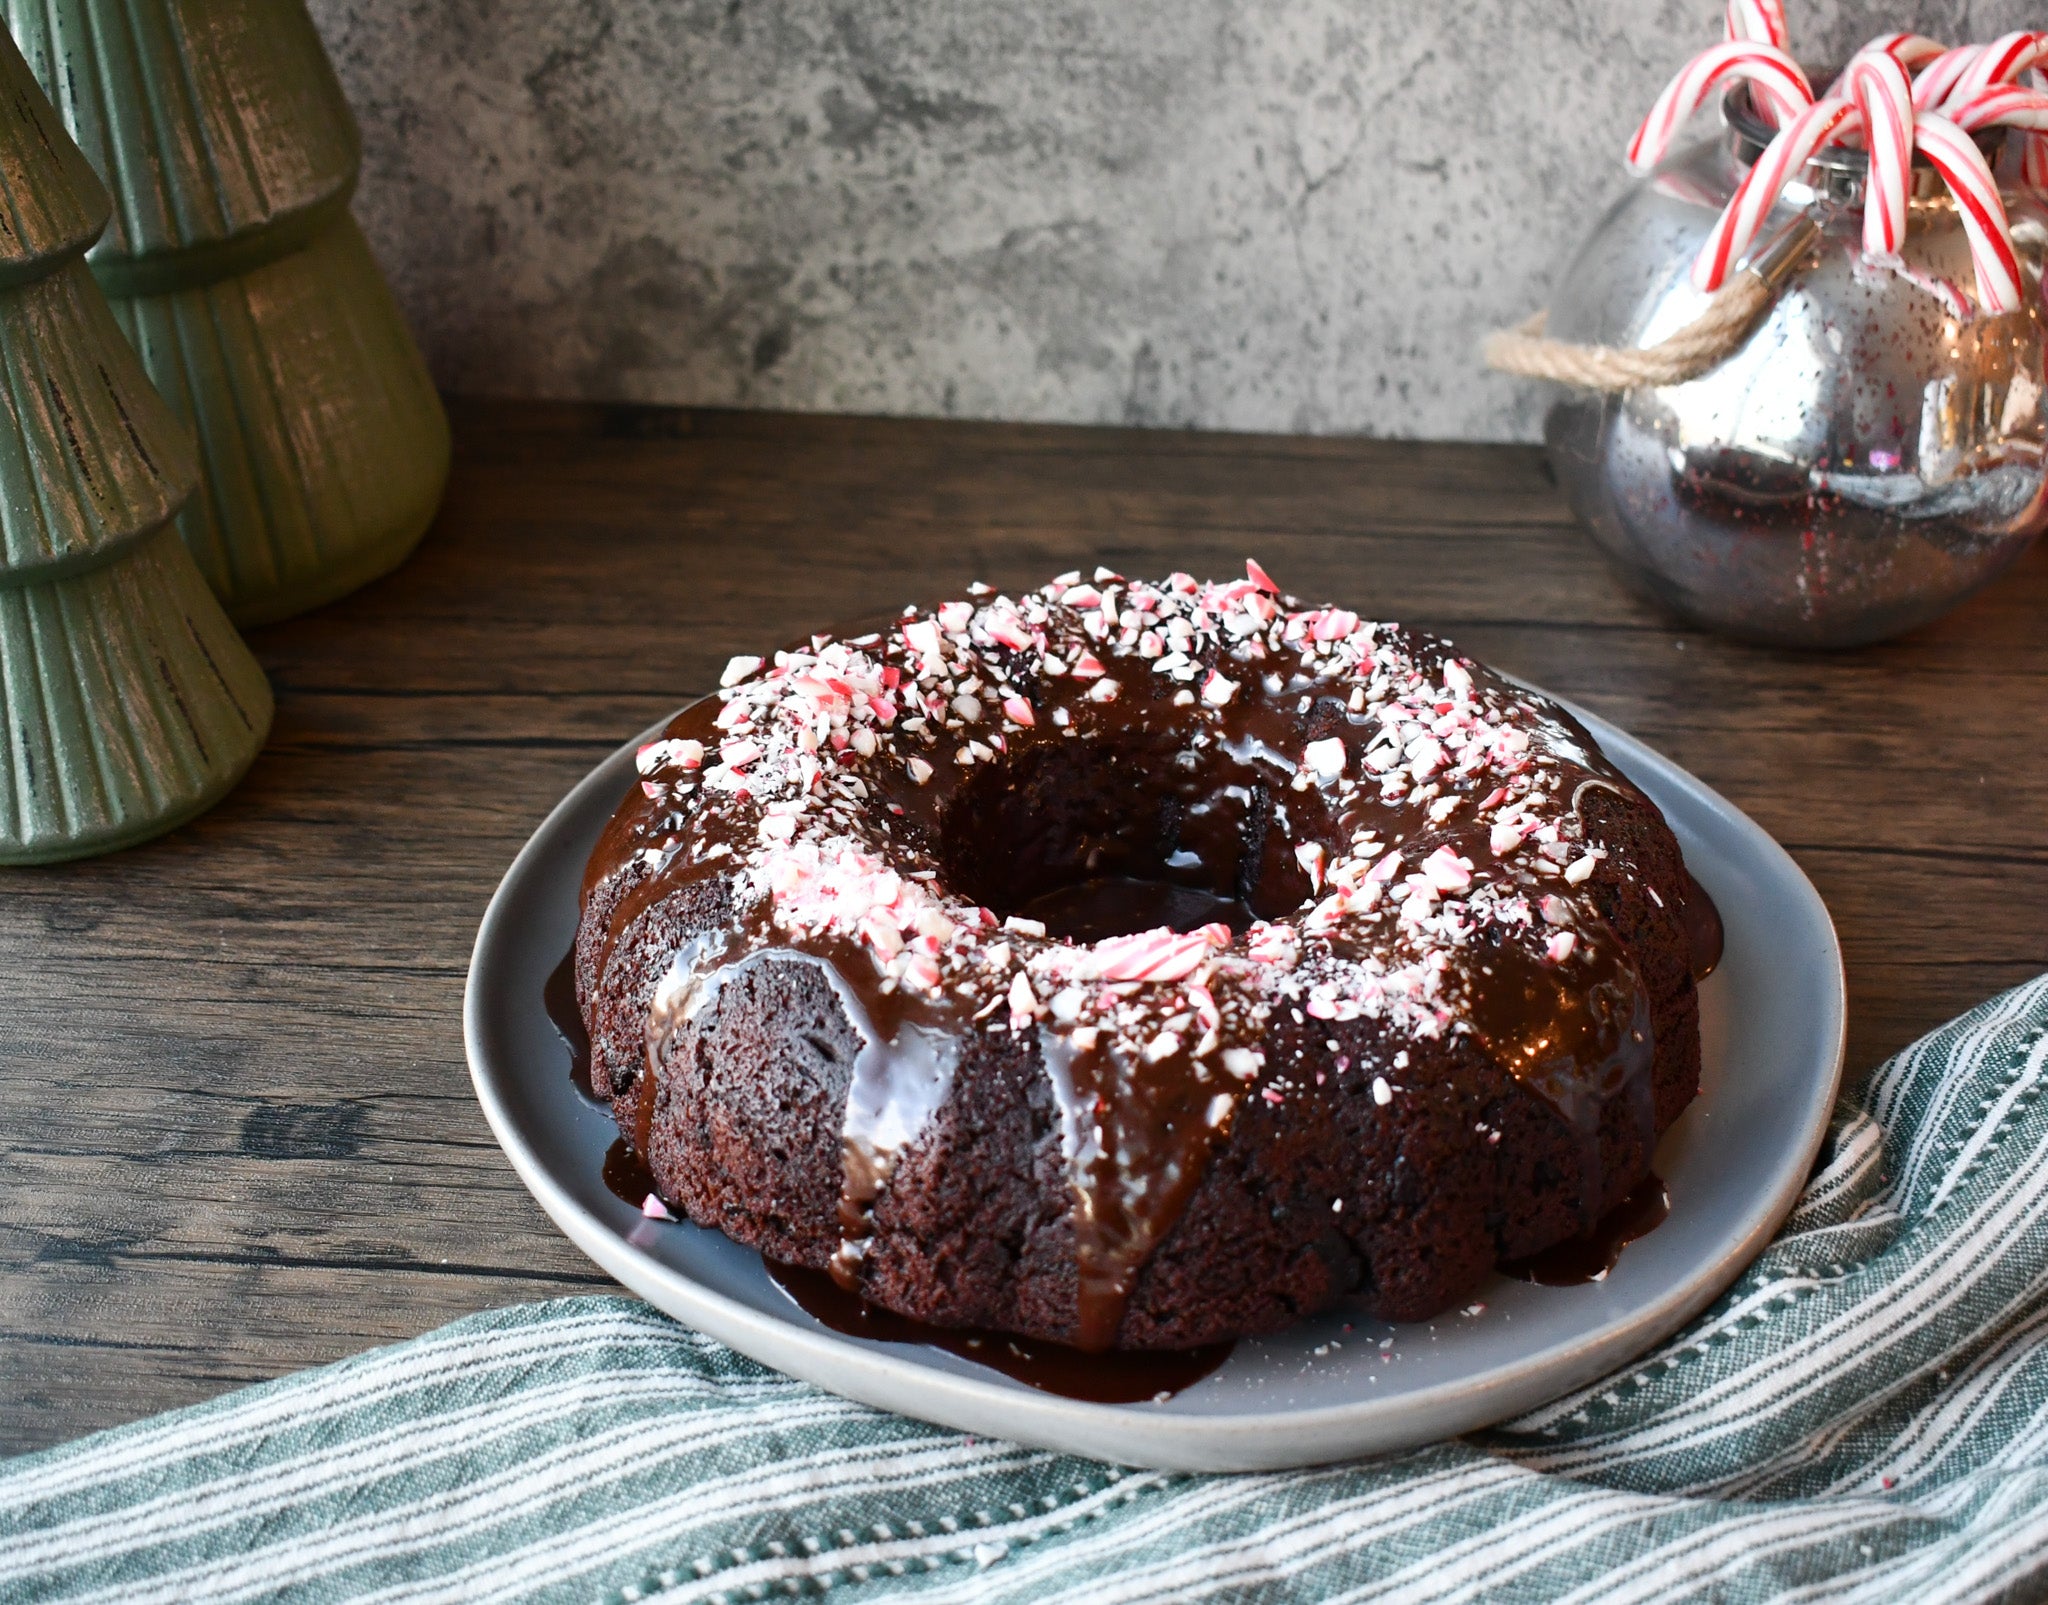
x=1334 y=1386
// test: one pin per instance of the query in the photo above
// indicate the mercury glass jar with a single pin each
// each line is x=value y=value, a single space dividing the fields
x=1869 y=456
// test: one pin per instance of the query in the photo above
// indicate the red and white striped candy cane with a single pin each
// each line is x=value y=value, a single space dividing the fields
x=2002 y=62
x=1877 y=83
x=2011 y=106
x=1999 y=62
x=1940 y=77
x=2001 y=106
x=1962 y=167
x=2034 y=147
x=1760 y=20
x=1758 y=191
x=1908 y=49
x=1728 y=63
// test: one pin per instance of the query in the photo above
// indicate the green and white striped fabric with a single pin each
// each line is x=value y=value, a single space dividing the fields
x=1864 y=1416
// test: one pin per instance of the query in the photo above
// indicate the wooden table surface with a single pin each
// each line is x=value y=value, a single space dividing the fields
x=236 y=1132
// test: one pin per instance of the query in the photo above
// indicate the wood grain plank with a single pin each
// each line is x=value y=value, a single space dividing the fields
x=236 y=1135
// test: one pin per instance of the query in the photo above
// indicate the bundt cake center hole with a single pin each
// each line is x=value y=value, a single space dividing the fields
x=1117 y=905
x=1099 y=839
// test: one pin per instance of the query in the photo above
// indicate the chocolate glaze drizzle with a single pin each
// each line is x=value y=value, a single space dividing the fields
x=1004 y=807
x=626 y=1174
x=1704 y=934
x=559 y=998
x=1113 y=1377
x=1588 y=1258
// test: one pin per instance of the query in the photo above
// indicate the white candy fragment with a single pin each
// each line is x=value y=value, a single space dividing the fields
x=1447 y=872
x=1325 y=757
x=1163 y=1046
x=1023 y=1001
x=1310 y=856
x=682 y=754
x=1580 y=870
x=1244 y=1063
x=1216 y=691
x=1559 y=948
x=1381 y=1093
x=918 y=770
x=737 y=669
x=923 y=636
x=1024 y=927
x=654 y=1209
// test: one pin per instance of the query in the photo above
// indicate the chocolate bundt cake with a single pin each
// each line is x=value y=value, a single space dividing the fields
x=1137 y=965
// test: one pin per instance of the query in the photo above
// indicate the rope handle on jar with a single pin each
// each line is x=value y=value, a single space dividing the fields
x=1701 y=345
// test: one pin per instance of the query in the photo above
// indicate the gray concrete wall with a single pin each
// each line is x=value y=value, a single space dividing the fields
x=1230 y=214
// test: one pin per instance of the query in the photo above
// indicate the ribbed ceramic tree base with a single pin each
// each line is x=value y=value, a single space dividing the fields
x=89 y=458
x=127 y=705
x=322 y=442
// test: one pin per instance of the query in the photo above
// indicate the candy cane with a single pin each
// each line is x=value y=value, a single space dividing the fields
x=1759 y=20
x=1999 y=62
x=2001 y=106
x=1759 y=64
x=1962 y=167
x=1762 y=22
x=1907 y=49
x=2011 y=106
x=1883 y=95
x=1758 y=192
x=2034 y=148
x=1938 y=81
x=2002 y=62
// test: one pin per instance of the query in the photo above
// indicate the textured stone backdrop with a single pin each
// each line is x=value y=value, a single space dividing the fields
x=1239 y=214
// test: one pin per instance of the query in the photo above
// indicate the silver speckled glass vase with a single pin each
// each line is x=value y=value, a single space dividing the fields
x=1870 y=455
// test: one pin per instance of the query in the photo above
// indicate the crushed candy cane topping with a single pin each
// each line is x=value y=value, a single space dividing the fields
x=808 y=743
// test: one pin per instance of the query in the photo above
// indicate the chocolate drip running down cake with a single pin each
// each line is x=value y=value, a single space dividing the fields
x=1137 y=965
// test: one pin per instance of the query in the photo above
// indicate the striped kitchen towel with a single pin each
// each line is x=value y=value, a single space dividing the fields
x=1863 y=1416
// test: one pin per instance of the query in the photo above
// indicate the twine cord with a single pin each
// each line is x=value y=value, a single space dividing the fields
x=1701 y=345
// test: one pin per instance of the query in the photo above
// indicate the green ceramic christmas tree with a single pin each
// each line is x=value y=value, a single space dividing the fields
x=245 y=285
x=127 y=701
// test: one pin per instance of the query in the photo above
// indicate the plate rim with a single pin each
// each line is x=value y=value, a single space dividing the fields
x=1137 y=1434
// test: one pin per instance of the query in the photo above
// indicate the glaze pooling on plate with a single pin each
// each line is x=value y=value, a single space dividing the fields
x=1358 y=824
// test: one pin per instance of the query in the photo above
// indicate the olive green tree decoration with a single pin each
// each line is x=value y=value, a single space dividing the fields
x=247 y=288
x=127 y=702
